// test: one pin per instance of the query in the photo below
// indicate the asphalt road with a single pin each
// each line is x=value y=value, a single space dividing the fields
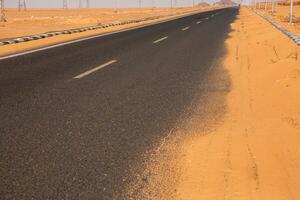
x=76 y=119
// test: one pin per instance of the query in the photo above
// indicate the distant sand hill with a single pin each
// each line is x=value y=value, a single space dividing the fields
x=203 y=4
x=225 y=3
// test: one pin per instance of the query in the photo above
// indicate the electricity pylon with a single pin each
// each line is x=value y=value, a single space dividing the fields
x=65 y=4
x=2 y=11
x=22 y=5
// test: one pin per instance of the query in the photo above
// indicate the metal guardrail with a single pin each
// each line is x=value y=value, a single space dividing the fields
x=291 y=35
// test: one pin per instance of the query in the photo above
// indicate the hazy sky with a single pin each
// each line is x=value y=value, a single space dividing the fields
x=100 y=3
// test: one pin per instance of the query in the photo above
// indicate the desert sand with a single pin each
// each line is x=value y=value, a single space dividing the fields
x=247 y=147
x=255 y=152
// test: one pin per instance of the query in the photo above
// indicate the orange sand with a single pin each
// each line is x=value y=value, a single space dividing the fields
x=255 y=152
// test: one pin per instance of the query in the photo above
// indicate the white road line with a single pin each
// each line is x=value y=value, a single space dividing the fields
x=186 y=28
x=94 y=69
x=207 y=18
x=198 y=22
x=159 y=40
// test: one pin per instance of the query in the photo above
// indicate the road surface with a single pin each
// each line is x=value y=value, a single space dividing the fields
x=76 y=119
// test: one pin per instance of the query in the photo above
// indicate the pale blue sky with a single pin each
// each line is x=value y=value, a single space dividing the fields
x=100 y=3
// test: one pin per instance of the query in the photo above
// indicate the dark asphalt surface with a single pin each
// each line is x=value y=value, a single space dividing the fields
x=65 y=138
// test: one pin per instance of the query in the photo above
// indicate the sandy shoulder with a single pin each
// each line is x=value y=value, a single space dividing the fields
x=255 y=152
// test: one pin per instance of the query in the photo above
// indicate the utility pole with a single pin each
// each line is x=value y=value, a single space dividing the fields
x=291 y=11
x=266 y=1
x=140 y=3
x=79 y=4
x=88 y=3
x=273 y=7
x=65 y=4
x=22 y=5
x=260 y=4
x=171 y=1
x=2 y=11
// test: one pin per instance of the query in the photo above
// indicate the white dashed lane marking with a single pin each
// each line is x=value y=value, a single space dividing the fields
x=186 y=28
x=94 y=69
x=159 y=40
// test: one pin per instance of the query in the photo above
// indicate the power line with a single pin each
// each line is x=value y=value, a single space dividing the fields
x=2 y=11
